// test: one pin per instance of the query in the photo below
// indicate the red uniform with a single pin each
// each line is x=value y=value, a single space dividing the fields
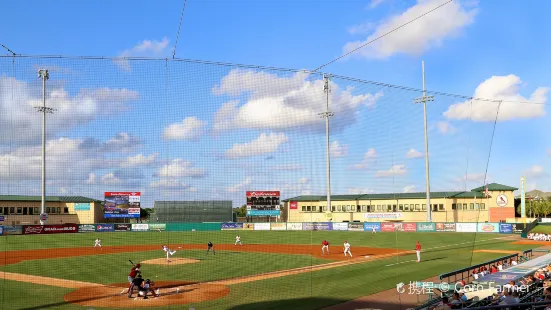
x=325 y=247
x=417 y=247
x=418 y=250
x=134 y=272
x=325 y=243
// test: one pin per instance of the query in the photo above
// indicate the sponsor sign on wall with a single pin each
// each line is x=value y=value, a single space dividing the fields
x=157 y=227
x=1 y=218
x=140 y=227
x=105 y=228
x=465 y=227
x=85 y=228
x=121 y=204
x=294 y=226
x=123 y=227
x=261 y=226
x=426 y=226
x=293 y=205
x=355 y=226
x=440 y=227
x=518 y=227
x=1 y=230
x=317 y=226
x=392 y=215
x=49 y=229
x=488 y=227
x=505 y=228
x=248 y=226
x=387 y=227
x=340 y=226
x=410 y=227
x=231 y=226
x=13 y=230
x=82 y=206
x=369 y=227
x=546 y=220
x=278 y=226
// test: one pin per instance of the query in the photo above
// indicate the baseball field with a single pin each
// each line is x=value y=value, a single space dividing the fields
x=271 y=270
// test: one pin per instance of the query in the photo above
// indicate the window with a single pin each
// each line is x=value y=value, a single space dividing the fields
x=400 y=207
x=58 y=211
x=454 y=206
x=324 y=208
x=378 y=207
x=389 y=208
x=482 y=206
x=476 y=206
x=441 y=207
x=6 y=211
x=19 y=210
x=464 y=206
x=348 y=208
x=12 y=210
x=25 y=211
x=435 y=207
x=416 y=207
x=471 y=205
x=339 y=208
x=406 y=207
x=359 y=208
x=65 y=210
x=303 y=208
x=333 y=208
x=36 y=211
x=424 y=207
x=47 y=209
x=364 y=208
x=308 y=208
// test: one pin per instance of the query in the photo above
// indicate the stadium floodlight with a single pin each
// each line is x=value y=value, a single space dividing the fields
x=424 y=100
x=44 y=75
x=326 y=115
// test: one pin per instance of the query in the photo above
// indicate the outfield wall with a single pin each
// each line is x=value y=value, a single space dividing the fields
x=503 y=228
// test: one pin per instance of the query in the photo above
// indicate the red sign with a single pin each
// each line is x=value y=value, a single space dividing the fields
x=122 y=194
x=50 y=229
x=263 y=194
x=410 y=227
x=387 y=227
x=293 y=205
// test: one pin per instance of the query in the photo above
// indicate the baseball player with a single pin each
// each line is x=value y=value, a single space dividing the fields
x=134 y=272
x=149 y=287
x=210 y=246
x=373 y=231
x=325 y=246
x=418 y=251
x=138 y=283
x=168 y=252
x=347 y=248
x=98 y=243
x=238 y=240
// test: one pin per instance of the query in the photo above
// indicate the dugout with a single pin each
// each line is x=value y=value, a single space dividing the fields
x=192 y=211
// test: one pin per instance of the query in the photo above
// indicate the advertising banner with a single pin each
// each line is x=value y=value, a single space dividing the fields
x=392 y=215
x=518 y=227
x=122 y=205
x=278 y=226
x=340 y=226
x=449 y=227
x=369 y=227
x=505 y=228
x=488 y=227
x=355 y=226
x=1 y=230
x=294 y=226
x=293 y=205
x=410 y=227
x=465 y=227
x=387 y=227
x=545 y=220
x=13 y=230
x=317 y=226
x=398 y=226
x=86 y=228
x=140 y=227
x=248 y=226
x=123 y=227
x=50 y=229
x=232 y=226
x=82 y=206
x=426 y=227
x=1 y=218
x=263 y=203
x=105 y=228
x=261 y=226
x=157 y=227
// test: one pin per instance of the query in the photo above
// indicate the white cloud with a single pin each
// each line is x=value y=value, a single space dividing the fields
x=358 y=190
x=91 y=179
x=393 y=171
x=337 y=150
x=291 y=189
x=110 y=179
x=264 y=144
x=284 y=103
x=361 y=28
x=239 y=187
x=445 y=127
x=413 y=153
x=146 y=48
x=369 y=156
x=179 y=168
x=168 y=183
x=288 y=167
x=374 y=3
x=21 y=123
x=500 y=88
x=139 y=160
x=410 y=189
x=419 y=36
x=190 y=128
x=535 y=171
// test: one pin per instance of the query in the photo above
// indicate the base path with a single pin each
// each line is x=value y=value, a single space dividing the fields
x=173 y=261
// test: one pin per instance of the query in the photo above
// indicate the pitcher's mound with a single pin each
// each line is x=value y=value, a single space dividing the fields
x=173 y=261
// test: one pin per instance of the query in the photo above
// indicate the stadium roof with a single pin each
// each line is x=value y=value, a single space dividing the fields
x=495 y=187
x=48 y=198
x=419 y=195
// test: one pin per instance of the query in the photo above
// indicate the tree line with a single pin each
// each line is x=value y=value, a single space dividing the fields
x=537 y=208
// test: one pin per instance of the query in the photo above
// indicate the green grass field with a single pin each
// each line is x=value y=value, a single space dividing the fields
x=542 y=228
x=442 y=252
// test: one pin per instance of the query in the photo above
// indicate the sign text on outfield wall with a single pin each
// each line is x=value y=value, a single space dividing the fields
x=85 y=228
x=355 y=226
x=140 y=227
x=278 y=226
x=317 y=226
x=465 y=227
x=426 y=227
x=157 y=227
x=383 y=215
x=82 y=206
x=105 y=227
x=370 y=226
x=231 y=226
x=505 y=228
x=340 y=226
x=441 y=227
x=488 y=227
x=261 y=226
x=294 y=226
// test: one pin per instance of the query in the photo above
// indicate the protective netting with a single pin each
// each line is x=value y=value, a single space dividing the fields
x=196 y=135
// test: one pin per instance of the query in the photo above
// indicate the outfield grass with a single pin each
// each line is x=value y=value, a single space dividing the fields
x=545 y=229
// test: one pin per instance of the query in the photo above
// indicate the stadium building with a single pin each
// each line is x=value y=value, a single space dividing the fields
x=192 y=211
x=25 y=210
x=497 y=204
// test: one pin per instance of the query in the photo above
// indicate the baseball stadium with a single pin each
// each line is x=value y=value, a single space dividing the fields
x=380 y=180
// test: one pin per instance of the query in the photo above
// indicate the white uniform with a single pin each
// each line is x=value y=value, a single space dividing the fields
x=373 y=230
x=347 y=249
x=168 y=252
x=98 y=243
x=238 y=240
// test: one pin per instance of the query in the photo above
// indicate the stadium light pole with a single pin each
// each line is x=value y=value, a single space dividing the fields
x=327 y=114
x=44 y=75
x=424 y=100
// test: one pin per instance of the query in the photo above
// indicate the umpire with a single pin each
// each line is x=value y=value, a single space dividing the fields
x=137 y=282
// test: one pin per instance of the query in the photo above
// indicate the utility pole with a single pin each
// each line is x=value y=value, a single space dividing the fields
x=424 y=100
x=327 y=114
x=44 y=75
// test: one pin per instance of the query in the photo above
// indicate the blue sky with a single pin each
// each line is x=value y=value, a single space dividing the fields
x=182 y=130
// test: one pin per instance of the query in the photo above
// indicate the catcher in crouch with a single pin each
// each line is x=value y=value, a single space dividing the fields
x=144 y=287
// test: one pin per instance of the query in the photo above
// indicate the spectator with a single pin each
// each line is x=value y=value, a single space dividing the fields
x=508 y=298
